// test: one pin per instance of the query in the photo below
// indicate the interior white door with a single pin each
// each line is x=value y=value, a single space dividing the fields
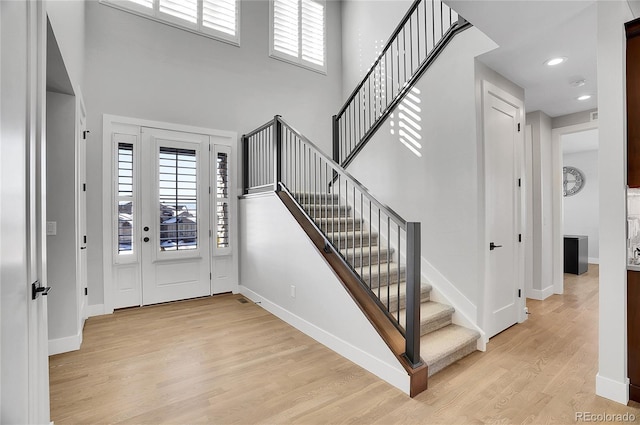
x=81 y=167
x=174 y=239
x=503 y=291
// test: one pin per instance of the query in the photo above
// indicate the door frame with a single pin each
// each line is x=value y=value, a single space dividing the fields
x=108 y=123
x=81 y=215
x=557 y=219
x=484 y=240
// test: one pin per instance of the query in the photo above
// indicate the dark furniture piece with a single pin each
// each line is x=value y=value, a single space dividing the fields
x=576 y=254
x=633 y=102
x=633 y=333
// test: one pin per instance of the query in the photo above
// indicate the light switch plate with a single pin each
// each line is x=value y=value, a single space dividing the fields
x=52 y=228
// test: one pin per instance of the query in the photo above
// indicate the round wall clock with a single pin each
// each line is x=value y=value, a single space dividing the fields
x=573 y=181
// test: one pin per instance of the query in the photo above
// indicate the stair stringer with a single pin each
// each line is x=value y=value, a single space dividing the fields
x=322 y=308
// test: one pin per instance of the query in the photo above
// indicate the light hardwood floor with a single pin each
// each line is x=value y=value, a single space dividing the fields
x=219 y=361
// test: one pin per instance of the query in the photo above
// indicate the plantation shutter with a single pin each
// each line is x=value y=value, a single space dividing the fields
x=220 y=15
x=144 y=3
x=313 y=32
x=181 y=9
x=286 y=27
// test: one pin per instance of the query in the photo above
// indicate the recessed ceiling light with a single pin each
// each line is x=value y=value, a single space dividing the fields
x=555 y=61
x=585 y=97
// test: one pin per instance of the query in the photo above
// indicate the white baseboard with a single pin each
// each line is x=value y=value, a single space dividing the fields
x=613 y=390
x=95 y=310
x=66 y=344
x=540 y=294
x=594 y=260
x=398 y=378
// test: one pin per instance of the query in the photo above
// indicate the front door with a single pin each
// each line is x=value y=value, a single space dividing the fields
x=502 y=137
x=174 y=237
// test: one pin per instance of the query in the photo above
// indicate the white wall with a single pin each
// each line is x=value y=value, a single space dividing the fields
x=139 y=68
x=543 y=254
x=67 y=19
x=581 y=213
x=612 y=381
x=440 y=187
x=61 y=209
x=275 y=253
x=367 y=27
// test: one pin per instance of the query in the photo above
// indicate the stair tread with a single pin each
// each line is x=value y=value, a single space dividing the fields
x=430 y=311
x=425 y=288
x=392 y=267
x=439 y=344
x=351 y=233
x=365 y=251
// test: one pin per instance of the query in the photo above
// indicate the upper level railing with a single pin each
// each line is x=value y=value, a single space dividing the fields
x=425 y=30
x=277 y=157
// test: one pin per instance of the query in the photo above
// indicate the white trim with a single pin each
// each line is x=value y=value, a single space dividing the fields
x=393 y=376
x=613 y=390
x=108 y=123
x=66 y=344
x=489 y=88
x=537 y=294
x=593 y=260
x=93 y=310
x=557 y=215
x=163 y=18
x=443 y=291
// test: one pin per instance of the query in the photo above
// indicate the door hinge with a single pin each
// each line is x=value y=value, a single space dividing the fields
x=209 y=275
x=84 y=134
x=84 y=238
x=210 y=233
x=518 y=126
x=86 y=291
x=209 y=190
x=519 y=182
x=519 y=293
x=84 y=187
x=209 y=148
x=519 y=237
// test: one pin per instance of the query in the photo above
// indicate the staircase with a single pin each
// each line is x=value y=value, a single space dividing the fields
x=441 y=342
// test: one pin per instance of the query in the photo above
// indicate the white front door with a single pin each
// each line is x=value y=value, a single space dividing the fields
x=175 y=217
x=502 y=139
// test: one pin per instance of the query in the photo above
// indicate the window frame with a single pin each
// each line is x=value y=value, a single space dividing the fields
x=156 y=15
x=299 y=61
x=134 y=255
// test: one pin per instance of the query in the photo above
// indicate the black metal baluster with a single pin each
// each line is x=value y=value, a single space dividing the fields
x=388 y=262
x=399 y=263
x=361 y=241
x=370 y=230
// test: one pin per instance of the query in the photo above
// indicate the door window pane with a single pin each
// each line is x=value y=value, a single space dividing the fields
x=125 y=198
x=178 y=199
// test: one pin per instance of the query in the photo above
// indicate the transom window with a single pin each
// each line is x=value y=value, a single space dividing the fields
x=298 y=32
x=219 y=19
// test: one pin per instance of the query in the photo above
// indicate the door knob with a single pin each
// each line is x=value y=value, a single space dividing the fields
x=493 y=246
x=146 y=239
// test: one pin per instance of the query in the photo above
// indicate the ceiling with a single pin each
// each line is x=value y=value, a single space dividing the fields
x=529 y=33
x=580 y=142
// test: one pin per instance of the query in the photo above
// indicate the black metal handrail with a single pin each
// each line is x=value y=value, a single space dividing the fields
x=278 y=157
x=411 y=49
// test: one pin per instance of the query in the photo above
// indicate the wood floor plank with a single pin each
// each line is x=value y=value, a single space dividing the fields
x=217 y=361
